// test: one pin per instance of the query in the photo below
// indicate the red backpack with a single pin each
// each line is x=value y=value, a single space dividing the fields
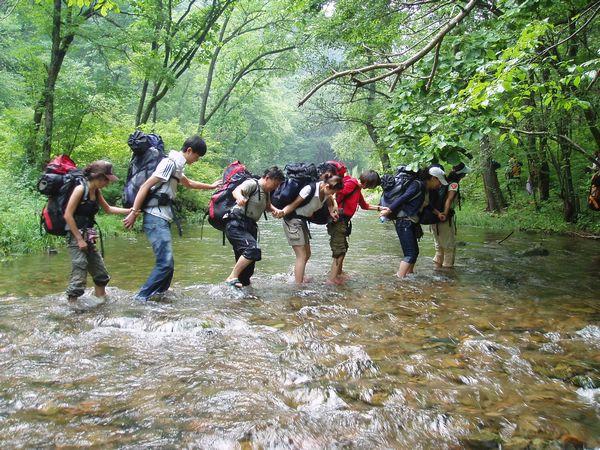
x=222 y=200
x=57 y=182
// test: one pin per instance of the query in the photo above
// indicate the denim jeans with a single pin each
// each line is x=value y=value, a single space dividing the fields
x=406 y=230
x=158 y=232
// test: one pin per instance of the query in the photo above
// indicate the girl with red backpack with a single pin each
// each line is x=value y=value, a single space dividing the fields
x=83 y=205
x=349 y=198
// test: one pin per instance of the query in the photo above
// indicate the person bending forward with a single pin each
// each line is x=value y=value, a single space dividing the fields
x=252 y=200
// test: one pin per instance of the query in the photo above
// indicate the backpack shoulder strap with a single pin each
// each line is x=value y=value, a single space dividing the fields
x=86 y=188
x=418 y=193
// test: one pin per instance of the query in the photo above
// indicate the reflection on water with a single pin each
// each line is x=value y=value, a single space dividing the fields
x=506 y=350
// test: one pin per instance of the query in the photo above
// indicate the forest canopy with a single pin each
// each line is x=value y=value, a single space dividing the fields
x=376 y=83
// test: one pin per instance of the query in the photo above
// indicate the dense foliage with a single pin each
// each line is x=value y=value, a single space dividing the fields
x=389 y=83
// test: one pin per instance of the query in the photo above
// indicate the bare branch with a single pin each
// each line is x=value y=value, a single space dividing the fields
x=397 y=68
x=575 y=33
x=557 y=138
x=434 y=67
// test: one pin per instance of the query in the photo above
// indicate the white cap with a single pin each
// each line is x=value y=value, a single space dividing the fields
x=439 y=174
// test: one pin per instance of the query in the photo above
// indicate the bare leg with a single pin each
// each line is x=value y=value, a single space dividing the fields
x=302 y=255
x=336 y=268
x=99 y=291
x=239 y=267
x=404 y=269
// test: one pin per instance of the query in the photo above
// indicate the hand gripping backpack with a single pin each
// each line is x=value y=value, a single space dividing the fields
x=57 y=183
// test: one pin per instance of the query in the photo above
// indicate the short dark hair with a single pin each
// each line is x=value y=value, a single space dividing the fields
x=196 y=143
x=370 y=179
x=274 y=173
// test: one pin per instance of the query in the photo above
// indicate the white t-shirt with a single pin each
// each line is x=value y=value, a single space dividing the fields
x=314 y=204
x=170 y=170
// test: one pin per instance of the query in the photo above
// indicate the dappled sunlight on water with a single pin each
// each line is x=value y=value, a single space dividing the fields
x=503 y=350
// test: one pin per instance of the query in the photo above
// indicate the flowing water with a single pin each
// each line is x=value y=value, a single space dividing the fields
x=502 y=352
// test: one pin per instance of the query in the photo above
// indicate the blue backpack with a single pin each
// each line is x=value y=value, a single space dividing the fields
x=148 y=150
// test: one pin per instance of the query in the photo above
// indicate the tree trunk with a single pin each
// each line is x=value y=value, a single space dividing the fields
x=45 y=106
x=138 y=114
x=493 y=193
x=569 y=197
x=592 y=120
x=381 y=150
x=202 y=120
x=533 y=166
x=544 y=174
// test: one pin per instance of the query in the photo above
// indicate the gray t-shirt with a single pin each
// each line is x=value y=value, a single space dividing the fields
x=255 y=207
x=170 y=170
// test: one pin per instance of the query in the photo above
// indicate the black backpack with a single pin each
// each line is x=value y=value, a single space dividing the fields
x=395 y=185
x=57 y=183
x=148 y=150
x=298 y=175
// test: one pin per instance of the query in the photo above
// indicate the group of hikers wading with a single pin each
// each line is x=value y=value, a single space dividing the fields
x=326 y=195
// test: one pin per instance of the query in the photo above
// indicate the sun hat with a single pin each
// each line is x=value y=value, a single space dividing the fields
x=102 y=168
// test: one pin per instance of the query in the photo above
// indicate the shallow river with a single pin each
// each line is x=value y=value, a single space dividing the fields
x=502 y=352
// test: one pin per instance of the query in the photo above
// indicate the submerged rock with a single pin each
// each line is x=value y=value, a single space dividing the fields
x=482 y=440
x=570 y=442
x=516 y=443
x=536 y=250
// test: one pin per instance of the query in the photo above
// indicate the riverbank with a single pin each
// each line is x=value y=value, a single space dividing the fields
x=20 y=207
x=523 y=215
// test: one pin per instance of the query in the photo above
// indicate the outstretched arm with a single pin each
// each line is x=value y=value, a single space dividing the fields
x=191 y=184
x=411 y=191
x=110 y=209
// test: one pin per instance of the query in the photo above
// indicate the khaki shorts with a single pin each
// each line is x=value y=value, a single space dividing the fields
x=296 y=231
x=338 y=241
